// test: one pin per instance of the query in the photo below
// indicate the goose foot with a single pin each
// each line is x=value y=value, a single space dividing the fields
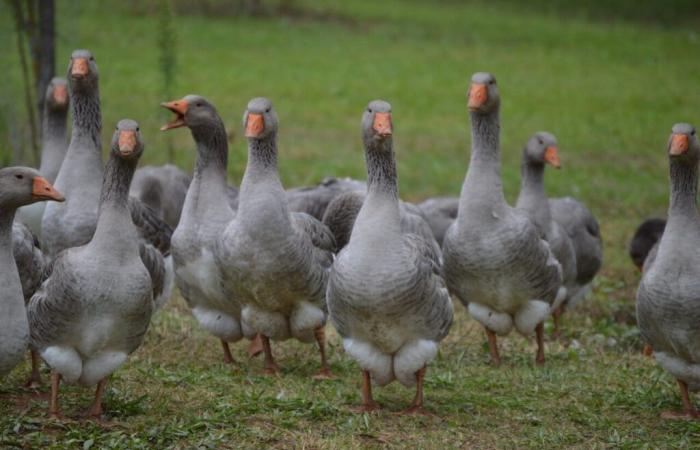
x=648 y=351
x=228 y=357
x=256 y=347
x=539 y=358
x=34 y=380
x=271 y=368
x=368 y=403
x=416 y=407
x=689 y=411
x=325 y=372
x=53 y=402
x=95 y=411
x=493 y=348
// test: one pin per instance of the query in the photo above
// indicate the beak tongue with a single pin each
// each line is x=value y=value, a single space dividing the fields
x=179 y=107
x=43 y=190
x=551 y=156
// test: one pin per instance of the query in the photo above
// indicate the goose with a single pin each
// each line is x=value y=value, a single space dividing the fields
x=385 y=294
x=19 y=186
x=495 y=261
x=53 y=147
x=668 y=302
x=541 y=149
x=275 y=260
x=314 y=200
x=440 y=212
x=31 y=266
x=205 y=214
x=163 y=189
x=80 y=177
x=95 y=307
x=645 y=240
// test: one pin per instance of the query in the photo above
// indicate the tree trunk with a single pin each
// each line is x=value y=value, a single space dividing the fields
x=46 y=57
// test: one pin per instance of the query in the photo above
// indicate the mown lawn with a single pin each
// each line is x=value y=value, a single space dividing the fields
x=609 y=89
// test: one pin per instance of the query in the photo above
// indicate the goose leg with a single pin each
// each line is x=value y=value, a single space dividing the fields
x=493 y=347
x=648 y=351
x=325 y=372
x=689 y=411
x=255 y=347
x=556 y=317
x=417 y=405
x=228 y=357
x=271 y=368
x=96 y=409
x=539 y=359
x=53 y=405
x=368 y=403
x=34 y=379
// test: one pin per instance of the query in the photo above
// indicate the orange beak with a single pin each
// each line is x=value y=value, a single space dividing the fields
x=60 y=94
x=179 y=107
x=43 y=190
x=382 y=124
x=551 y=156
x=679 y=144
x=478 y=95
x=127 y=142
x=254 y=125
x=80 y=67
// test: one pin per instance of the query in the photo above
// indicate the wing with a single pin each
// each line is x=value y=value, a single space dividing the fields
x=153 y=260
x=151 y=228
x=321 y=237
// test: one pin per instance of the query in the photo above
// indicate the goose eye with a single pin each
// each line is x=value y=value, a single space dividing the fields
x=199 y=105
x=19 y=177
x=369 y=110
x=137 y=129
x=267 y=110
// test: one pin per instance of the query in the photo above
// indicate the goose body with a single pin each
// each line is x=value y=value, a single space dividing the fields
x=275 y=260
x=314 y=200
x=440 y=212
x=495 y=260
x=95 y=307
x=645 y=241
x=163 y=189
x=385 y=295
x=53 y=147
x=19 y=186
x=668 y=297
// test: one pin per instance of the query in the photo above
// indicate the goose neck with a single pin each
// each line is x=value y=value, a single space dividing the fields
x=54 y=145
x=381 y=169
x=684 y=188
x=87 y=119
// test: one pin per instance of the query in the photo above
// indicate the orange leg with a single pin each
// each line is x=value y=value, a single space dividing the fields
x=255 y=347
x=539 y=359
x=271 y=368
x=417 y=405
x=648 y=351
x=34 y=380
x=228 y=357
x=556 y=317
x=325 y=372
x=53 y=405
x=368 y=403
x=493 y=348
x=95 y=411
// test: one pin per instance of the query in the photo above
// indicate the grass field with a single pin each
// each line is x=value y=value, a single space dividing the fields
x=609 y=89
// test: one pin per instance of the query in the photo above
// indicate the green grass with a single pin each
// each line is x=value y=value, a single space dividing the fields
x=609 y=89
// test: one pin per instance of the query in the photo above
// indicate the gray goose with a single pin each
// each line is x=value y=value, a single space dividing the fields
x=440 y=212
x=314 y=200
x=53 y=147
x=95 y=307
x=385 y=294
x=80 y=177
x=541 y=149
x=163 y=189
x=205 y=214
x=495 y=260
x=276 y=261
x=19 y=186
x=668 y=299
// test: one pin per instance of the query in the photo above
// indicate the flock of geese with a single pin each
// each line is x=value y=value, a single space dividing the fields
x=83 y=274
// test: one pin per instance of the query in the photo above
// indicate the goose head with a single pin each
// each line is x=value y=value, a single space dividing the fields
x=376 y=121
x=57 y=94
x=192 y=111
x=21 y=186
x=126 y=140
x=483 y=96
x=542 y=149
x=683 y=144
x=259 y=119
x=82 y=70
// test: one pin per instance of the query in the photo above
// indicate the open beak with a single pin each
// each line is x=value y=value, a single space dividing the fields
x=127 y=142
x=179 y=107
x=43 y=190
x=382 y=124
x=679 y=144
x=254 y=126
x=80 y=68
x=551 y=156
x=60 y=94
x=478 y=95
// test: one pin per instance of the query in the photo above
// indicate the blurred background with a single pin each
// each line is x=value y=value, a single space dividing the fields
x=608 y=78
